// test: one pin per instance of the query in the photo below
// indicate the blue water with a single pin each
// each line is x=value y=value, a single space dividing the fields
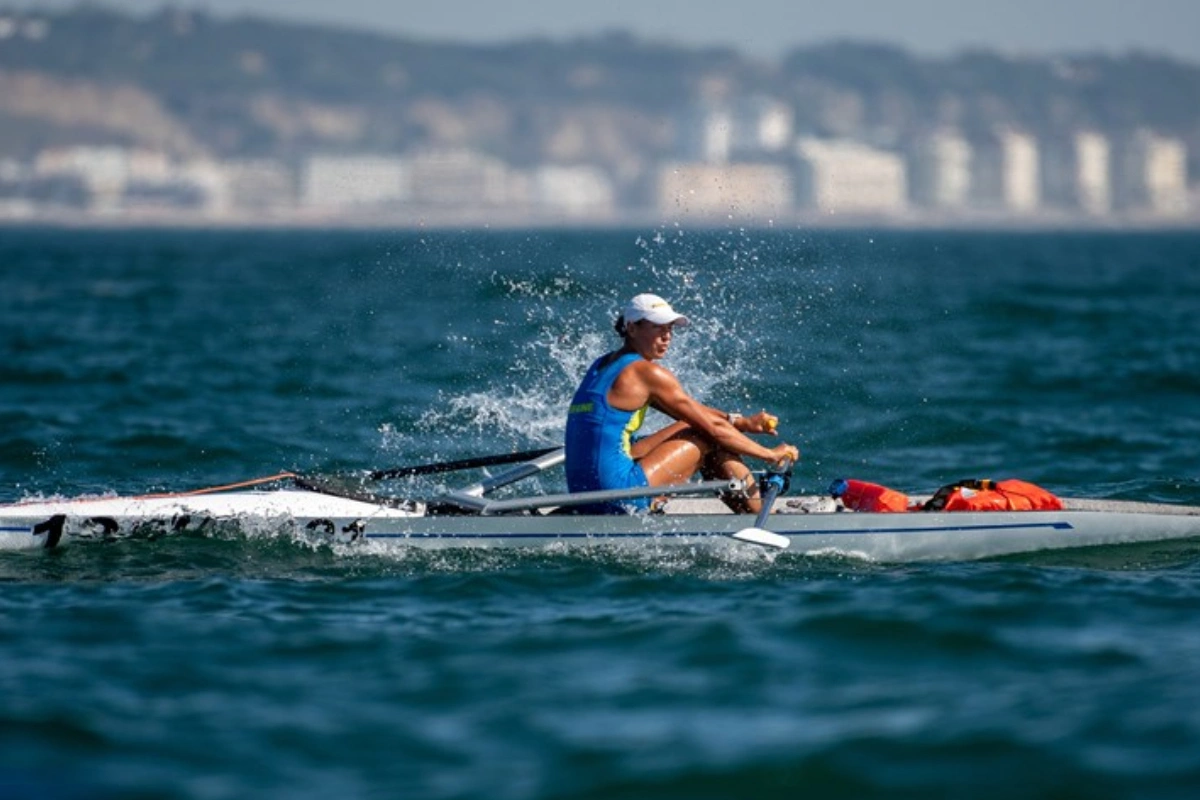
x=246 y=665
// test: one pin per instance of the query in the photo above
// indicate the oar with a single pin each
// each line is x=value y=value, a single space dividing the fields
x=453 y=466
x=758 y=534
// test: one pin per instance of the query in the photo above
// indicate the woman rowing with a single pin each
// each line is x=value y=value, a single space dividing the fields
x=611 y=403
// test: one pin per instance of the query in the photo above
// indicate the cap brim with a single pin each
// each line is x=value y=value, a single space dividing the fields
x=669 y=319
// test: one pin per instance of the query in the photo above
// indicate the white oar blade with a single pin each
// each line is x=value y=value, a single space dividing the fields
x=765 y=538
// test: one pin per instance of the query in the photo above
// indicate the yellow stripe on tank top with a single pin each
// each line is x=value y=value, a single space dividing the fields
x=631 y=427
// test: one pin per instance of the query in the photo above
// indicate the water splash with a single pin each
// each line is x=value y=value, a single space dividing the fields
x=567 y=311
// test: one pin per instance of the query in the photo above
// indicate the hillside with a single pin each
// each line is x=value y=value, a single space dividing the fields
x=187 y=81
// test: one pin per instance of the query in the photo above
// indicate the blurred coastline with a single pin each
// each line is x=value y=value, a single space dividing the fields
x=180 y=118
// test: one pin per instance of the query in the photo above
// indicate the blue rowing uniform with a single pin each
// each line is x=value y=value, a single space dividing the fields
x=598 y=439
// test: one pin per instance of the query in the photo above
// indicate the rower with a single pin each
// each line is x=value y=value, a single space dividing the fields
x=611 y=403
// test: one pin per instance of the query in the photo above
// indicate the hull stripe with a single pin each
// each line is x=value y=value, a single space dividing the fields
x=1059 y=526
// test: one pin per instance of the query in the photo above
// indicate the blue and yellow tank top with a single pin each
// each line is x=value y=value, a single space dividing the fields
x=598 y=436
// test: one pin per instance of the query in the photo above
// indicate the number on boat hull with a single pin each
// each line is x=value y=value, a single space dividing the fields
x=327 y=527
x=53 y=528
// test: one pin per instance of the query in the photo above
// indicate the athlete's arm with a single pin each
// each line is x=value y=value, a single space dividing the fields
x=665 y=393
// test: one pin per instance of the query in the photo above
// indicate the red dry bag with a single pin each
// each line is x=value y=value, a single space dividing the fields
x=862 y=496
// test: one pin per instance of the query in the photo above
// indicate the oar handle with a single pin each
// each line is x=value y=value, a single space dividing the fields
x=774 y=483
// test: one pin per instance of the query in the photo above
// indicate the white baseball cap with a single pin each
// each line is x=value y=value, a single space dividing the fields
x=653 y=308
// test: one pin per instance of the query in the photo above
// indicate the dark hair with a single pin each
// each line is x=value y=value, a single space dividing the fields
x=619 y=326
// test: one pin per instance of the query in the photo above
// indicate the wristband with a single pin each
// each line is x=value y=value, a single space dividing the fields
x=733 y=417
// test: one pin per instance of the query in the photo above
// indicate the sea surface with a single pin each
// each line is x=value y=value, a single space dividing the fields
x=251 y=665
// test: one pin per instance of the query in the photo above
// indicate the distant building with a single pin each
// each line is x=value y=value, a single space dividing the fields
x=1150 y=174
x=1005 y=173
x=1075 y=173
x=260 y=185
x=465 y=179
x=760 y=126
x=576 y=192
x=346 y=182
x=149 y=166
x=845 y=177
x=117 y=179
x=745 y=130
x=22 y=192
x=712 y=191
x=158 y=197
x=212 y=180
x=155 y=185
x=705 y=135
x=103 y=171
x=940 y=171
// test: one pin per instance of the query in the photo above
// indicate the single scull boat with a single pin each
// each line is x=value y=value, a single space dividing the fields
x=692 y=514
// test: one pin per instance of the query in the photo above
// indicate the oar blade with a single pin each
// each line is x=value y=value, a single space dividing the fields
x=763 y=537
x=757 y=534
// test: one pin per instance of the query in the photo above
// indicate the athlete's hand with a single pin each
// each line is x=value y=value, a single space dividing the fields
x=782 y=452
x=762 y=422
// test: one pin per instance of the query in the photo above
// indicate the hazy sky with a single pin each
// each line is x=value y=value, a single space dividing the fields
x=757 y=27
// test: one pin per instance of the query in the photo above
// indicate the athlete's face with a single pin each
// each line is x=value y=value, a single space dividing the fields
x=649 y=339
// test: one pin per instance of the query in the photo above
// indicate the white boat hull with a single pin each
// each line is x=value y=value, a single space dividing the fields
x=810 y=525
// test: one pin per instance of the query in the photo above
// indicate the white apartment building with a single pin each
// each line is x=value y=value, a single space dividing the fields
x=260 y=184
x=940 y=171
x=746 y=129
x=344 y=182
x=1150 y=174
x=1005 y=173
x=761 y=125
x=211 y=179
x=118 y=178
x=574 y=191
x=724 y=191
x=845 y=177
x=465 y=179
x=103 y=170
x=705 y=135
x=1075 y=173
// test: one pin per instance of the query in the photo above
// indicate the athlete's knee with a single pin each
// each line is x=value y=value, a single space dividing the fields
x=719 y=457
x=672 y=462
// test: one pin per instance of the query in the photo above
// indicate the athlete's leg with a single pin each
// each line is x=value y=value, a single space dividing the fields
x=675 y=453
x=643 y=446
x=671 y=459
x=724 y=464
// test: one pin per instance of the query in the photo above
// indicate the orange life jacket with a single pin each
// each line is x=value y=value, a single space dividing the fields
x=988 y=495
x=966 y=495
